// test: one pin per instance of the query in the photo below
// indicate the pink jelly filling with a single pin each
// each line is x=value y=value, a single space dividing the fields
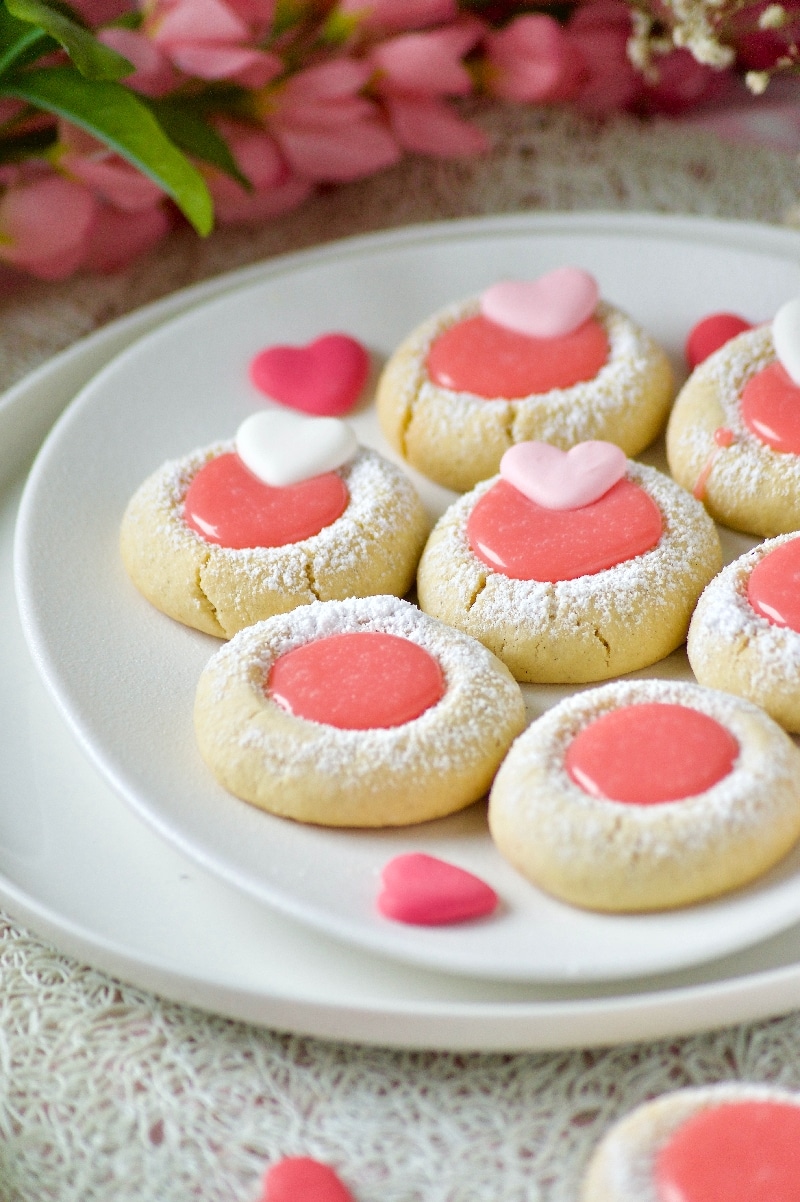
x=357 y=681
x=771 y=408
x=513 y=535
x=736 y=1152
x=773 y=589
x=227 y=505
x=489 y=360
x=645 y=754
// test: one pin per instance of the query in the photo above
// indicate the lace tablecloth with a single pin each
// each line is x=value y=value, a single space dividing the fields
x=107 y=1092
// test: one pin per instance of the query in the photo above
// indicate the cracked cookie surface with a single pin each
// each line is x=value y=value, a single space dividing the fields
x=373 y=547
x=590 y=628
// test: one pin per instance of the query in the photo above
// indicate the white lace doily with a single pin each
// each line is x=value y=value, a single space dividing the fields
x=108 y=1093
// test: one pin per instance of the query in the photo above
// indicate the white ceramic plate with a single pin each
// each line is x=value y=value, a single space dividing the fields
x=124 y=675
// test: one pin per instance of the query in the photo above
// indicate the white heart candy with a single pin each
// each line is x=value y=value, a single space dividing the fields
x=282 y=447
x=786 y=337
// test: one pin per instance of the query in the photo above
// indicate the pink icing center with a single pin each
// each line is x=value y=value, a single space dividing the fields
x=771 y=408
x=773 y=589
x=226 y=504
x=513 y=535
x=302 y=1179
x=424 y=891
x=646 y=754
x=735 y=1152
x=358 y=681
x=491 y=361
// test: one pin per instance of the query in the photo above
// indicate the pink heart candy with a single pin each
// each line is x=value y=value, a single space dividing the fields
x=302 y=1179
x=559 y=479
x=550 y=307
x=324 y=378
x=424 y=891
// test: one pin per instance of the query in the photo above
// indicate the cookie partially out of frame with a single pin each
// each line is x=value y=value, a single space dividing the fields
x=312 y=771
x=733 y=647
x=575 y=631
x=625 y=1164
x=614 y=855
x=458 y=438
x=373 y=547
x=742 y=481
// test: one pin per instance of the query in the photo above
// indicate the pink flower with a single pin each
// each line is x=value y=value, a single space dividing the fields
x=100 y=12
x=45 y=226
x=393 y=16
x=154 y=74
x=275 y=189
x=211 y=39
x=683 y=84
x=532 y=60
x=608 y=81
x=109 y=176
x=412 y=72
x=117 y=238
x=327 y=132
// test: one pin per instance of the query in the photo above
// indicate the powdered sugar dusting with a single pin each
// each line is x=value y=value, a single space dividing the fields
x=479 y=695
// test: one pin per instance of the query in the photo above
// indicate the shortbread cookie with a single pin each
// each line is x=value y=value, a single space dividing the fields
x=734 y=1141
x=647 y=794
x=733 y=437
x=461 y=389
x=363 y=712
x=576 y=595
x=744 y=636
x=355 y=531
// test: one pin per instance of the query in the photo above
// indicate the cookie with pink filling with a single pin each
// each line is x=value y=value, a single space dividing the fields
x=543 y=359
x=735 y=1141
x=364 y=713
x=744 y=636
x=646 y=795
x=733 y=437
x=567 y=585
x=218 y=541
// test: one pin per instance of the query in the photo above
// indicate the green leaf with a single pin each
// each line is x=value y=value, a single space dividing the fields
x=92 y=58
x=183 y=124
x=18 y=40
x=119 y=119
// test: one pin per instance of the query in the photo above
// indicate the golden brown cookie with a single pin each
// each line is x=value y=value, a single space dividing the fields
x=592 y=627
x=591 y=803
x=458 y=438
x=254 y=735
x=372 y=547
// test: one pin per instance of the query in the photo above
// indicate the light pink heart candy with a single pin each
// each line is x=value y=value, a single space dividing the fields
x=424 y=891
x=559 y=479
x=550 y=307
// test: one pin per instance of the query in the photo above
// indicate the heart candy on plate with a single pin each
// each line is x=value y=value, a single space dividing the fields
x=423 y=890
x=550 y=307
x=303 y=1179
x=786 y=337
x=283 y=448
x=557 y=479
x=325 y=378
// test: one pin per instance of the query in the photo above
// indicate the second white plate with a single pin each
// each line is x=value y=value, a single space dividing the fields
x=125 y=675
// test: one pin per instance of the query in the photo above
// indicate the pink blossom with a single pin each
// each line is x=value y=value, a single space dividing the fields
x=108 y=175
x=275 y=189
x=394 y=16
x=325 y=129
x=117 y=237
x=154 y=74
x=683 y=84
x=532 y=60
x=100 y=12
x=425 y=125
x=45 y=226
x=210 y=39
x=427 y=64
x=599 y=32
